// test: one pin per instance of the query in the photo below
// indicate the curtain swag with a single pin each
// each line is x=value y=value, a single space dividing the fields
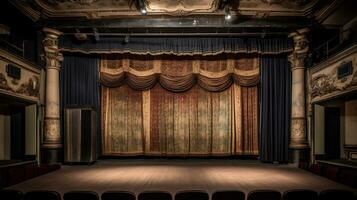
x=178 y=75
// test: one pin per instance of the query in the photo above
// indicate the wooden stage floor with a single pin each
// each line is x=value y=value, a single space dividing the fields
x=172 y=175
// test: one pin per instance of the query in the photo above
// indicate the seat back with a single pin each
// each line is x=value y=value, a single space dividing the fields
x=154 y=195
x=80 y=195
x=42 y=195
x=264 y=195
x=191 y=195
x=336 y=195
x=11 y=195
x=300 y=194
x=228 y=195
x=118 y=195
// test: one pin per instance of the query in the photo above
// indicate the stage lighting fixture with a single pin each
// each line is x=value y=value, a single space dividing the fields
x=227 y=13
x=142 y=7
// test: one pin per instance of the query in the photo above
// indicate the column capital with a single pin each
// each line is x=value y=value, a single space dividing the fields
x=301 y=48
x=52 y=55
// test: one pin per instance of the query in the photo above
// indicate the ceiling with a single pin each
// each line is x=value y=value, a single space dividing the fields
x=173 y=16
x=94 y=9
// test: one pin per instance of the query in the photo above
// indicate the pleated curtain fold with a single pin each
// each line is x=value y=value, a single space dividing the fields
x=187 y=106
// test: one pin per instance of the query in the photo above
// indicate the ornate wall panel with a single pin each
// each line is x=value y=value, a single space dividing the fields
x=324 y=83
x=28 y=86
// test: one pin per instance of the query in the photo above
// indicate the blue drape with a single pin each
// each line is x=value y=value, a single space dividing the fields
x=275 y=108
x=79 y=85
x=179 y=45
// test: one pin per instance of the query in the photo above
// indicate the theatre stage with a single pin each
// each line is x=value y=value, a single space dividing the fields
x=171 y=175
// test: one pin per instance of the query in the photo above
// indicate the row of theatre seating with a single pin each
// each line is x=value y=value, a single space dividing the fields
x=17 y=173
x=341 y=174
x=182 y=195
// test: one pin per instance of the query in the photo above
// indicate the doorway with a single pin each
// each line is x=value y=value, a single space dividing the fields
x=332 y=132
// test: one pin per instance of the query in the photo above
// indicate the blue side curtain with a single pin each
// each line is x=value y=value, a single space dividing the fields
x=275 y=108
x=79 y=85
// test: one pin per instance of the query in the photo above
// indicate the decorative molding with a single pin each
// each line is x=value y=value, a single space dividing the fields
x=52 y=55
x=301 y=48
x=182 y=7
x=324 y=83
x=18 y=61
x=115 y=8
x=52 y=138
x=28 y=86
x=298 y=133
x=326 y=11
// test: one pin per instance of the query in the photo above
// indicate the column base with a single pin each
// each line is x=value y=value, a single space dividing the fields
x=299 y=155
x=51 y=155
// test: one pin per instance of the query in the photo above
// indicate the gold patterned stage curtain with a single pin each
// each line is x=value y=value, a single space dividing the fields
x=201 y=106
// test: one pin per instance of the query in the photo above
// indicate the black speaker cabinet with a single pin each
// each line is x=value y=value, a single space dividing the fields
x=80 y=135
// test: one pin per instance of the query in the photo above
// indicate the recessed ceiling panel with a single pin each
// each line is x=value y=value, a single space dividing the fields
x=182 y=6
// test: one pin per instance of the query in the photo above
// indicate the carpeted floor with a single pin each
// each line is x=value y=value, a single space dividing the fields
x=172 y=175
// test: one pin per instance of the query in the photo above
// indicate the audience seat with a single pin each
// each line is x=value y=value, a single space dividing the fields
x=191 y=195
x=42 y=195
x=315 y=168
x=304 y=165
x=154 y=195
x=336 y=195
x=16 y=175
x=300 y=194
x=118 y=195
x=11 y=195
x=228 y=195
x=80 y=195
x=264 y=195
x=330 y=172
x=348 y=177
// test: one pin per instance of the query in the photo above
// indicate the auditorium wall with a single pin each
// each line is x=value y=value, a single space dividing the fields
x=351 y=122
x=319 y=130
x=30 y=130
x=4 y=137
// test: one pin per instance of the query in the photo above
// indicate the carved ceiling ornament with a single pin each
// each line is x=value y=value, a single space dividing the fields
x=182 y=6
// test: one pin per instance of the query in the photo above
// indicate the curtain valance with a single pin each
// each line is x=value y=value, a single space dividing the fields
x=214 y=73
x=178 y=45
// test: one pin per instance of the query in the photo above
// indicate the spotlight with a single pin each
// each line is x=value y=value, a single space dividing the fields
x=142 y=7
x=227 y=13
x=143 y=11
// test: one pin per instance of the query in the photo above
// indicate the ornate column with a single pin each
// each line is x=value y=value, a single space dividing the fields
x=299 y=145
x=51 y=151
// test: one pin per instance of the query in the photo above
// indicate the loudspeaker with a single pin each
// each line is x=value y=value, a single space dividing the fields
x=80 y=135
